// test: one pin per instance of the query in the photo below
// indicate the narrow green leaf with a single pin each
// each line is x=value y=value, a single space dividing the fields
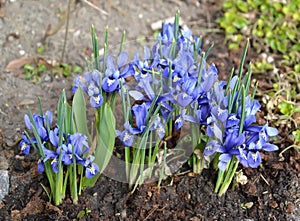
x=106 y=142
x=79 y=111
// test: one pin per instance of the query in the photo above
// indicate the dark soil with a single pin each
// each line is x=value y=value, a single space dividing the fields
x=271 y=193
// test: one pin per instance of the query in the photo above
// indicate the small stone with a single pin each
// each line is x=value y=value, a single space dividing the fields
x=270 y=59
x=273 y=204
x=249 y=205
x=3 y=163
x=123 y=214
x=22 y=52
x=47 y=78
x=290 y=207
x=4 y=184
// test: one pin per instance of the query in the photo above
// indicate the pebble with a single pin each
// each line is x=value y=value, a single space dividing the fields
x=4 y=184
x=3 y=163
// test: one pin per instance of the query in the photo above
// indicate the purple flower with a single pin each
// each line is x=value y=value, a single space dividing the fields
x=96 y=101
x=211 y=147
x=25 y=144
x=91 y=170
x=54 y=165
x=261 y=134
x=220 y=114
x=209 y=77
x=67 y=155
x=140 y=113
x=80 y=142
x=158 y=126
x=111 y=82
x=143 y=68
x=230 y=148
x=41 y=166
x=249 y=156
x=54 y=136
x=125 y=136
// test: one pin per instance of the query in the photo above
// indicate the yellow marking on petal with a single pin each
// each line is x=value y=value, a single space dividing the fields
x=185 y=95
x=23 y=146
x=254 y=155
x=178 y=120
x=53 y=161
x=92 y=169
x=244 y=156
x=263 y=134
x=126 y=137
x=209 y=147
x=161 y=129
x=220 y=111
x=176 y=78
x=97 y=100
x=233 y=117
x=110 y=82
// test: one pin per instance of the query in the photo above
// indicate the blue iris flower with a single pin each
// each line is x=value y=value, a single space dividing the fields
x=41 y=166
x=67 y=155
x=80 y=142
x=181 y=118
x=167 y=34
x=91 y=169
x=230 y=148
x=25 y=144
x=40 y=123
x=140 y=113
x=143 y=68
x=209 y=77
x=249 y=156
x=125 y=136
x=54 y=136
x=90 y=83
x=111 y=82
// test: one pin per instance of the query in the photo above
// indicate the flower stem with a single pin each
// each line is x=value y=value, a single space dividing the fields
x=229 y=176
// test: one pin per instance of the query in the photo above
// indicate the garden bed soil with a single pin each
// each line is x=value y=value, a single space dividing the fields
x=271 y=193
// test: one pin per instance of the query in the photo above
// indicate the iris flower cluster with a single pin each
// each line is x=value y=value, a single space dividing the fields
x=171 y=85
x=231 y=138
x=73 y=145
x=186 y=89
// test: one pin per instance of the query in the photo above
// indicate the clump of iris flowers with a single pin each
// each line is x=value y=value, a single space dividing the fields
x=63 y=153
x=169 y=96
x=174 y=87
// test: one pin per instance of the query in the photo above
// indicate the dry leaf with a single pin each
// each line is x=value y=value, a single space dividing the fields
x=2 y=14
x=18 y=63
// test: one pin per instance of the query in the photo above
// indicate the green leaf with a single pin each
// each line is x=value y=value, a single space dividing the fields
x=230 y=29
x=105 y=143
x=281 y=46
x=242 y=6
x=81 y=214
x=297 y=68
x=28 y=67
x=233 y=46
x=240 y=22
x=40 y=49
x=286 y=108
x=77 y=69
x=227 y=4
x=79 y=111
x=296 y=135
x=42 y=68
